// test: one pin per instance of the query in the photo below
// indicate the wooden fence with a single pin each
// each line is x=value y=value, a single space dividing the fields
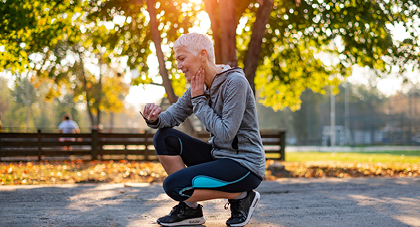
x=98 y=145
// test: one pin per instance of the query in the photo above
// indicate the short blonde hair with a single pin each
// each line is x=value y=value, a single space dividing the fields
x=195 y=42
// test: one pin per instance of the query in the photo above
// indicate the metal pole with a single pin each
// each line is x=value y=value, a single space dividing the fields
x=347 y=114
x=346 y=106
x=410 y=119
x=332 y=114
x=27 y=102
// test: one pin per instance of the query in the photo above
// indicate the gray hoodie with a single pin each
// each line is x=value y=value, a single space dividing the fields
x=228 y=112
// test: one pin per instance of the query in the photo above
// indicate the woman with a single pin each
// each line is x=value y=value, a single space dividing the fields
x=232 y=164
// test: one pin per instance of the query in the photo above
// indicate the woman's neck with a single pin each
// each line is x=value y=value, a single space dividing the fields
x=211 y=71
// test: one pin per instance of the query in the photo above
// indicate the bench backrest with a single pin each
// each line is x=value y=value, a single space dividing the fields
x=137 y=146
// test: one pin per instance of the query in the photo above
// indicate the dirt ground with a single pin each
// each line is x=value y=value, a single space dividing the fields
x=286 y=202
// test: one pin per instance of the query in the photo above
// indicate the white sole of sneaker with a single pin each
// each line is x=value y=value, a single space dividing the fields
x=192 y=221
x=251 y=210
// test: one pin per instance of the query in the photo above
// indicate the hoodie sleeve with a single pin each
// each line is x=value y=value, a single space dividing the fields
x=176 y=113
x=224 y=127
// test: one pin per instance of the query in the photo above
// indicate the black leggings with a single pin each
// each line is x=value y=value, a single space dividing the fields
x=202 y=172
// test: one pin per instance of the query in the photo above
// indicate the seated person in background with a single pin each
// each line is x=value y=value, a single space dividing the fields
x=68 y=126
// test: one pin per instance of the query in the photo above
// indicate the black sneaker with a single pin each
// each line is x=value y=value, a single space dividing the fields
x=182 y=214
x=242 y=209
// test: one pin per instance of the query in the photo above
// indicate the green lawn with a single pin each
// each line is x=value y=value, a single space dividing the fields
x=369 y=157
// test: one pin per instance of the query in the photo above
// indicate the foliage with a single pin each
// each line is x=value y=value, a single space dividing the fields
x=307 y=44
x=22 y=93
x=132 y=37
x=349 y=169
x=5 y=96
x=69 y=172
x=344 y=164
x=42 y=114
x=29 y=26
x=78 y=171
x=56 y=41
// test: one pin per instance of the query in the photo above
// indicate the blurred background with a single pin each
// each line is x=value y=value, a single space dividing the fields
x=329 y=73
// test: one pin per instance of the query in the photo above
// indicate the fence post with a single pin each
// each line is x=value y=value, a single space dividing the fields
x=94 y=144
x=146 y=145
x=39 y=144
x=282 y=145
x=1 y=152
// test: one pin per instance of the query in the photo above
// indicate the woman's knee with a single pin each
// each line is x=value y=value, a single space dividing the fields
x=160 y=134
x=166 y=142
x=173 y=188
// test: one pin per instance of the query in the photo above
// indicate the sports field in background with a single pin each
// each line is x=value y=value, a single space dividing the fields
x=373 y=157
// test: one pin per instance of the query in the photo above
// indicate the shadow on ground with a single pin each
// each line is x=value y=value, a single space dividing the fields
x=288 y=202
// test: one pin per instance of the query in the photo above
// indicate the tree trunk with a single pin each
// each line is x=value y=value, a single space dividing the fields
x=159 y=53
x=227 y=15
x=188 y=127
x=98 y=98
x=254 y=47
x=91 y=117
x=224 y=16
x=212 y=9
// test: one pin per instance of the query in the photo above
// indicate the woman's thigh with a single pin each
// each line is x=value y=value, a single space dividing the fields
x=193 y=151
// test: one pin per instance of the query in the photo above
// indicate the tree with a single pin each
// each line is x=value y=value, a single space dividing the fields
x=284 y=46
x=293 y=39
x=42 y=114
x=4 y=95
x=302 y=35
x=55 y=40
x=145 y=23
x=28 y=26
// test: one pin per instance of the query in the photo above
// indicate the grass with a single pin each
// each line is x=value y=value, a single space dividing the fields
x=408 y=157
x=349 y=164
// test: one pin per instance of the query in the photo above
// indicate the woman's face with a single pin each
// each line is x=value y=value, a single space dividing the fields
x=187 y=62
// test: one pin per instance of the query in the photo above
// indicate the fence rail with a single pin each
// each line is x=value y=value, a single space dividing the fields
x=99 y=145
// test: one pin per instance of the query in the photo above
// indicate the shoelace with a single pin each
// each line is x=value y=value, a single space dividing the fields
x=178 y=208
x=233 y=208
x=227 y=205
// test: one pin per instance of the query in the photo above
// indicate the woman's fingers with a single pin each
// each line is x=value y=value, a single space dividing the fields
x=147 y=109
x=200 y=78
x=197 y=83
x=155 y=113
x=151 y=111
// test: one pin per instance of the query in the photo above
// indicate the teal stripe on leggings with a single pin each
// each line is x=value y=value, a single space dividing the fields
x=202 y=181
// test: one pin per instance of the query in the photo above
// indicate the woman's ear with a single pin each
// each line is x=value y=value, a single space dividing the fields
x=203 y=55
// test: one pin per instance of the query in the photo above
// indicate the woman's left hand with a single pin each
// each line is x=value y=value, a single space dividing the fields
x=197 y=83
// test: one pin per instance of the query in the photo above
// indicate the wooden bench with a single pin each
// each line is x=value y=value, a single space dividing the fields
x=133 y=146
x=274 y=143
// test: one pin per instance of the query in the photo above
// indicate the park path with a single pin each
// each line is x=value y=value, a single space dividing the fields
x=287 y=202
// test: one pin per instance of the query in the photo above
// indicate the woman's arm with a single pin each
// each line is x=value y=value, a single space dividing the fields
x=174 y=115
x=224 y=127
